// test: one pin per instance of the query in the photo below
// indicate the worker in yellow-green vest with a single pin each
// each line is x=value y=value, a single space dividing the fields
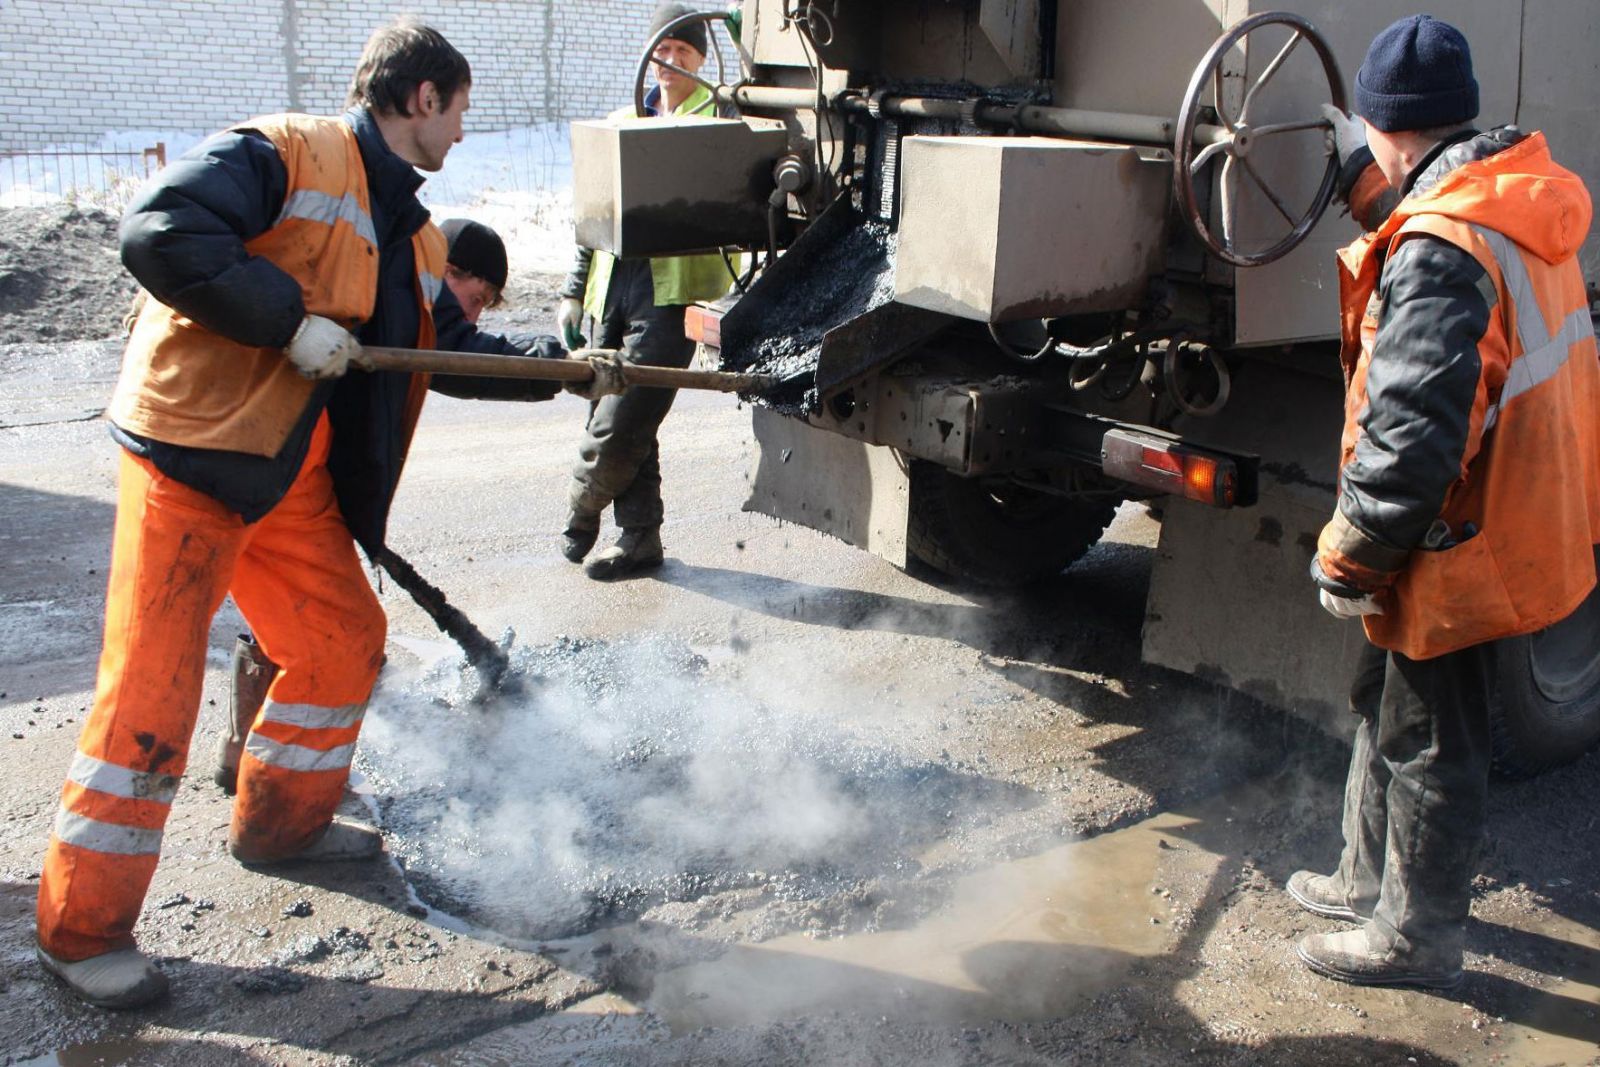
x=637 y=306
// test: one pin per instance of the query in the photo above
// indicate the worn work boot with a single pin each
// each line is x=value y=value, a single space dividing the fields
x=1351 y=956
x=253 y=672
x=583 y=529
x=121 y=979
x=1320 y=894
x=341 y=842
x=638 y=549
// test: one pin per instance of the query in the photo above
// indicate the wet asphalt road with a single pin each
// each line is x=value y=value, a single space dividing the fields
x=865 y=791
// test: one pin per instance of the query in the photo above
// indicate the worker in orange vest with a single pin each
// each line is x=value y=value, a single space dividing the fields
x=254 y=459
x=1469 y=485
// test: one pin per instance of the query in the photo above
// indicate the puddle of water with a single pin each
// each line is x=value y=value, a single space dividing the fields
x=1025 y=940
x=97 y=1054
x=1563 y=1023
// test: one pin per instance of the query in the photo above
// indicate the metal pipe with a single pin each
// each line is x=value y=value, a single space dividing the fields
x=1031 y=118
x=768 y=97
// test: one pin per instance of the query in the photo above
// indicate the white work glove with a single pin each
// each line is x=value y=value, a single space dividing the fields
x=607 y=380
x=1348 y=607
x=321 y=348
x=1348 y=135
x=569 y=318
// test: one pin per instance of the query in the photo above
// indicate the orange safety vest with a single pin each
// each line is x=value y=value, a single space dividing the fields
x=186 y=385
x=1530 y=475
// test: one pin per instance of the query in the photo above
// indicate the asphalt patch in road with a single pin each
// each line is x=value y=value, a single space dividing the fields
x=633 y=774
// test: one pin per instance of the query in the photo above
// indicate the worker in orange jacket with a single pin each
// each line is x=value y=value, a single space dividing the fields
x=1469 y=486
x=253 y=453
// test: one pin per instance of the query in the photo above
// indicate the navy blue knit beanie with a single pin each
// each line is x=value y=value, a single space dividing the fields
x=1417 y=75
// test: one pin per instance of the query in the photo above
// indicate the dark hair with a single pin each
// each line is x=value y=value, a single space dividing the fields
x=398 y=58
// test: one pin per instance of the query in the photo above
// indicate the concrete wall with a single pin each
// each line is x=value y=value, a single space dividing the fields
x=72 y=69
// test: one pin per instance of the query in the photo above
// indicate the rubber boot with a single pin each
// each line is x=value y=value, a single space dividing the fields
x=583 y=529
x=121 y=979
x=253 y=672
x=638 y=549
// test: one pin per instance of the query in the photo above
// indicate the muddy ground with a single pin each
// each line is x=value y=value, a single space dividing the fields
x=778 y=803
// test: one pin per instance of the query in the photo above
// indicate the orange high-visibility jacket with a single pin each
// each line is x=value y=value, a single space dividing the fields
x=186 y=385
x=1529 y=483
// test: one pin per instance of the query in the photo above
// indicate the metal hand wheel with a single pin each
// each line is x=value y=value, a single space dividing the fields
x=720 y=89
x=1236 y=140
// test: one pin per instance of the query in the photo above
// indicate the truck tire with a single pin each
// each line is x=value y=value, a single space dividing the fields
x=1545 y=707
x=998 y=537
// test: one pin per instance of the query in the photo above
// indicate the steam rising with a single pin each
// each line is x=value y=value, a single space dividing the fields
x=634 y=774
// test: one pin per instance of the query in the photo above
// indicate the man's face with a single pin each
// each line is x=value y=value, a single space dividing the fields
x=439 y=123
x=473 y=293
x=679 y=54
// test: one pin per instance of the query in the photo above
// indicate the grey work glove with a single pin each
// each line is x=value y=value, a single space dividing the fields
x=321 y=348
x=1346 y=607
x=1348 y=135
x=608 y=378
x=569 y=318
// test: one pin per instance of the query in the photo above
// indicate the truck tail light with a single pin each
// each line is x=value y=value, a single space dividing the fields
x=1153 y=462
x=703 y=325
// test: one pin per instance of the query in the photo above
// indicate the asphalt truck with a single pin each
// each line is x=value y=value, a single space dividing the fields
x=1016 y=262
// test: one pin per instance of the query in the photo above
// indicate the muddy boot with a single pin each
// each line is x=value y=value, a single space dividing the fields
x=638 y=549
x=121 y=979
x=583 y=529
x=1322 y=894
x=1359 y=957
x=253 y=672
x=342 y=842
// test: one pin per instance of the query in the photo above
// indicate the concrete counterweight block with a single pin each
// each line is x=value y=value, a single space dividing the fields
x=1000 y=228
x=670 y=186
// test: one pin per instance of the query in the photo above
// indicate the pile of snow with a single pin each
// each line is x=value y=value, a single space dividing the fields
x=518 y=181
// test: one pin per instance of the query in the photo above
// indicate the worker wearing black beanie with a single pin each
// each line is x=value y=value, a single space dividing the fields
x=693 y=34
x=1471 y=420
x=476 y=265
x=637 y=307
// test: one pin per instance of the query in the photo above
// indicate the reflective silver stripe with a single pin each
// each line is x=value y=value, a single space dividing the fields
x=97 y=836
x=1543 y=363
x=313 y=716
x=329 y=209
x=298 y=757
x=1543 y=353
x=105 y=777
x=430 y=285
x=1530 y=316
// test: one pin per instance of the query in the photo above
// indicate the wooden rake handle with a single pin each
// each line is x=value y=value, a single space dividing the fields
x=574 y=369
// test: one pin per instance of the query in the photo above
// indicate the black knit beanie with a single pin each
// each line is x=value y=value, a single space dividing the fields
x=1417 y=75
x=476 y=249
x=693 y=35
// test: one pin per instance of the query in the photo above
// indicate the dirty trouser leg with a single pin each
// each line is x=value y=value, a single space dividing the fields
x=172 y=554
x=1365 y=822
x=300 y=585
x=1433 y=736
x=618 y=458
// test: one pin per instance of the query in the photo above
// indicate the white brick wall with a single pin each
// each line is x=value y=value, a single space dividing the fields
x=70 y=70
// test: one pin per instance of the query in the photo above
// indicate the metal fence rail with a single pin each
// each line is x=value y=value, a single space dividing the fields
x=104 y=178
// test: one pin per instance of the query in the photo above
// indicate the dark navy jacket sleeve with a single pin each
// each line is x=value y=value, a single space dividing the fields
x=183 y=239
x=1422 y=383
x=456 y=334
